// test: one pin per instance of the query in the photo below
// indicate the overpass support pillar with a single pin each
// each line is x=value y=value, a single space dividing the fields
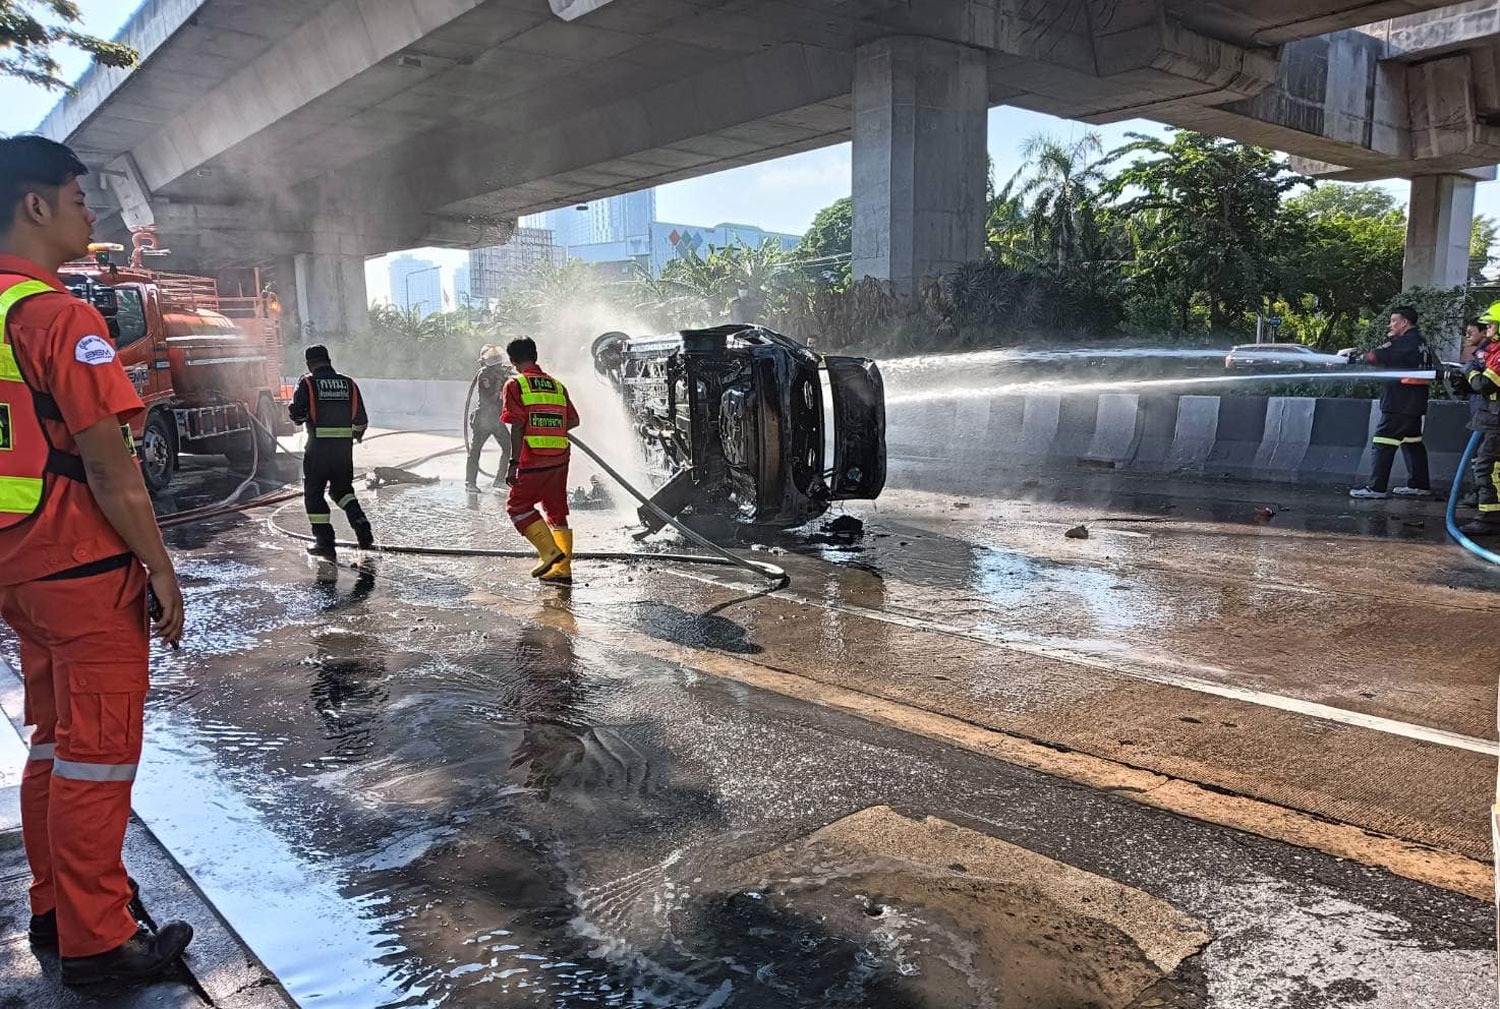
x=1438 y=222
x=328 y=295
x=920 y=117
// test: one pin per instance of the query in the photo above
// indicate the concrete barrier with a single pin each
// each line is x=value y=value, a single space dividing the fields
x=971 y=444
x=1340 y=437
x=1193 y=434
x=1279 y=439
x=414 y=404
x=1285 y=439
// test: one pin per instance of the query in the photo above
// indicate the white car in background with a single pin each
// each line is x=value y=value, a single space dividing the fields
x=1274 y=357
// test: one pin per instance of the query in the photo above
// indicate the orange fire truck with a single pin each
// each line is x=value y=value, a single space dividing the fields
x=208 y=366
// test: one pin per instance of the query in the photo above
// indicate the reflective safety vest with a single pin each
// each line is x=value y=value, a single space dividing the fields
x=546 y=403
x=332 y=406
x=27 y=458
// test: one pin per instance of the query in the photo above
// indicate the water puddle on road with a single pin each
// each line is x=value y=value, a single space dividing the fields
x=399 y=799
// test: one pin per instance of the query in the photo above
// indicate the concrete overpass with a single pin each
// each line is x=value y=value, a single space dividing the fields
x=315 y=133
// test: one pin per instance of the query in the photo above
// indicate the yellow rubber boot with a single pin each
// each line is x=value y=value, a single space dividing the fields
x=563 y=572
x=540 y=535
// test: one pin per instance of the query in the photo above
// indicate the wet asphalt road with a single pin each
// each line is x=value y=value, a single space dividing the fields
x=435 y=786
x=401 y=793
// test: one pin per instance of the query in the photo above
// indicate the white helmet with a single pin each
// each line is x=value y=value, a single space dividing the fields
x=491 y=355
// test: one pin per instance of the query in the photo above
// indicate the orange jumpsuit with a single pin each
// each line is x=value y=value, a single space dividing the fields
x=76 y=598
x=542 y=477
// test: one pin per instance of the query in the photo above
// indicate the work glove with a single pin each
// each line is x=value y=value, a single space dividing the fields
x=512 y=473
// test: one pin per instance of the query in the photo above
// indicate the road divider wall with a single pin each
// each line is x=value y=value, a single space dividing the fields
x=968 y=443
x=976 y=443
x=414 y=404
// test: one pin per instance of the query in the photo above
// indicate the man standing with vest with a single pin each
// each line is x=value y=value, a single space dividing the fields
x=76 y=528
x=330 y=406
x=1483 y=374
x=1403 y=405
x=540 y=416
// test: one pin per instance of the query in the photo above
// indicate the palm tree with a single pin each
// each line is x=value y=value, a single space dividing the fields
x=405 y=324
x=1058 y=185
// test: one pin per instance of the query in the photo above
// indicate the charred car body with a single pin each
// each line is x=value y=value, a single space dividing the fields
x=733 y=418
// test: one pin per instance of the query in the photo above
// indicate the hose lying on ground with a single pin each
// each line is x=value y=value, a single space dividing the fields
x=777 y=576
x=1451 y=517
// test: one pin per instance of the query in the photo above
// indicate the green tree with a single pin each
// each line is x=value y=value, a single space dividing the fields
x=1216 y=220
x=1481 y=242
x=828 y=246
x=28 y=35
x=1058 y=187
x=1342 y=259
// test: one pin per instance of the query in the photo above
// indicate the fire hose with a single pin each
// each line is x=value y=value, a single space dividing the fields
x=1451 y=517
x=776 y=576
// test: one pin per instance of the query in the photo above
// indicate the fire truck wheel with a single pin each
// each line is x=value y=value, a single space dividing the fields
x=158 y=451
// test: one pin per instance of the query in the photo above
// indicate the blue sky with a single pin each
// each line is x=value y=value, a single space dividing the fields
x=781 y=195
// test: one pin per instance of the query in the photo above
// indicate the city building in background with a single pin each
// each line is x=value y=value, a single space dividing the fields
x=621 y=236
x=601 y=222
x=618 y=236
x=416 y=284
x=504 y=269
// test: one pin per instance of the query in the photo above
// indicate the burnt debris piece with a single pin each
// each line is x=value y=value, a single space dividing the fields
x=733 y=422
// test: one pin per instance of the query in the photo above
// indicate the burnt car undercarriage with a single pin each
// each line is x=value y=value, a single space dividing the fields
x=733 y=420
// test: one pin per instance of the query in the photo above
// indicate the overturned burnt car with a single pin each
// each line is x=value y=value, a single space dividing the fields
x=733 y=420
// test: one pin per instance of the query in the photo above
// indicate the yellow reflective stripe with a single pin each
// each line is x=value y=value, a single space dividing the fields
x=11 y=295
x=20 y=495
x=1412 y=441
x=546 y=441
x=9 y=370
x=1387 y=441
x=1494 y=378
x=345 y=501
x=334 y=432
x=321 y=519
x=530 y=397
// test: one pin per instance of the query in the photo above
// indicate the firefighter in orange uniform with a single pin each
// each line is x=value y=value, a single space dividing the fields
x=79 y=546
x=540 y=415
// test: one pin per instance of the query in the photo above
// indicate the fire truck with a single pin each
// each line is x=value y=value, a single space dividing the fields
x=207 y=365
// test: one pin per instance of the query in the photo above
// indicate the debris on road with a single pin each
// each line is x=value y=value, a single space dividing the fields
x=1264 y=514
x=384 y=476
x=1077 y=533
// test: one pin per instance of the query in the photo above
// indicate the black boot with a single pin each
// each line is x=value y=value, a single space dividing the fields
x=323 y=542
x=363 y=534
x=139 y=958
x=1482 y=526
x=43 y=930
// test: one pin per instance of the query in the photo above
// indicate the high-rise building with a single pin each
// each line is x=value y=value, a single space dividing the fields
x=622 y=236
x=504 y=269
x=416 y=284
x=613 y=219
x=462 y=290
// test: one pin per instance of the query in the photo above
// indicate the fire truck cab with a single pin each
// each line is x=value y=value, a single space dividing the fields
x=207 y=366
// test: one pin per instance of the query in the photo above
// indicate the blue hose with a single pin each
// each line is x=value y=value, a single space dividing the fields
x=1453 y=530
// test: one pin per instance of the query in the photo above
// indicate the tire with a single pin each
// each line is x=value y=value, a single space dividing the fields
x=158 y=451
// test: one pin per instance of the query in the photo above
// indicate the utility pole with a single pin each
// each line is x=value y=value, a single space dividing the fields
x=406 y=300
